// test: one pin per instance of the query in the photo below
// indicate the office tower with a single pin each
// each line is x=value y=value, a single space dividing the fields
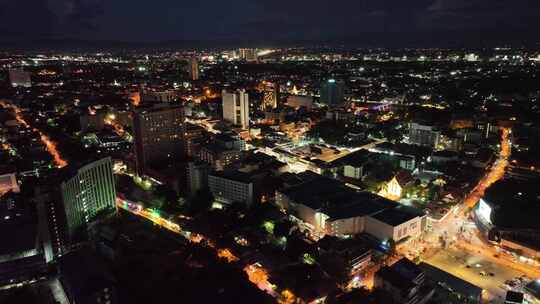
x=236 y=108
x=271 y=96
x=332 y=92
x=20 y=78
x=193 y=69
x=88 y=193
x=159 y=136
x=248 y=54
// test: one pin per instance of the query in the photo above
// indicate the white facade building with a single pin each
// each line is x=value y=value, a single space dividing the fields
x=236 y=108
x=230 y=188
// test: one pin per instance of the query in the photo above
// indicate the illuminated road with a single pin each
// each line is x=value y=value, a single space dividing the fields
x=51 y=146
x=462 y=238
x=496 y=173
x=257 y=274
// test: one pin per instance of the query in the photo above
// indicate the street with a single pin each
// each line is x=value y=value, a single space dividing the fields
x=456 y=243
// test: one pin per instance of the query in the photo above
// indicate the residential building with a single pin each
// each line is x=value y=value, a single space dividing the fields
x=88 y=193
x=20 y=78
x=355 y=252
x=424 y=135
x=236 y=108
x=404 y=282
x=159 y=136
x=407 y=162
x=222 y=151
x=158 y=96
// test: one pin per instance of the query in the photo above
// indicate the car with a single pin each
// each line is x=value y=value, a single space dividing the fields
x=483 y=273
x=491 y=274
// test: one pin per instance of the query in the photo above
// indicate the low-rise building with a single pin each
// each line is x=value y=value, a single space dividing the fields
x=328 y=207
x=404 y=282
x=8 y=182
x=397 y=223
x=353 y=251
x=219 y=157
x=448 y=285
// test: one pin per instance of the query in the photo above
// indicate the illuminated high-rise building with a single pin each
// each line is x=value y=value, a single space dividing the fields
x=20 y=78
x=193 y=69
x=236 y=108
x=333 y=92
x=89 y=192
x=271 y=96
x=247 y=54
x=159 y=136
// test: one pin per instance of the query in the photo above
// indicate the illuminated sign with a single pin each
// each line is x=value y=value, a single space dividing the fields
x=484 y=211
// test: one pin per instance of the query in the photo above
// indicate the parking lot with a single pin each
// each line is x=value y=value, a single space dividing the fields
x=486 y=274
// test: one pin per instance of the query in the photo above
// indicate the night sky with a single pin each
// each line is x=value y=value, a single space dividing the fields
x=276 y=20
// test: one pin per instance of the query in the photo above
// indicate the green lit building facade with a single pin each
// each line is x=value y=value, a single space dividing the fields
x=89 y=192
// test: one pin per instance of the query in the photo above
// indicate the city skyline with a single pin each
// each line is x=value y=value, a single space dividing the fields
x=290 y=175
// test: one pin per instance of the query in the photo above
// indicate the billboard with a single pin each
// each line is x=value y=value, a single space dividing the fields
x=484 y=211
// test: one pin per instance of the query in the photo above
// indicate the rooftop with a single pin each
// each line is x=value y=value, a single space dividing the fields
x=397 y=216
x=456 y=284
x=336 y=199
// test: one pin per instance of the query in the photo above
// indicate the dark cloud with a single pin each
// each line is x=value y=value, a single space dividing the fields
x=49 y=18
x=156 y=20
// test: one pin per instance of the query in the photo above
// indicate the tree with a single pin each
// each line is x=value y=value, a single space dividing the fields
x=202 y=201
x=167 y=197
x=283 y=228
x=336 y=267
